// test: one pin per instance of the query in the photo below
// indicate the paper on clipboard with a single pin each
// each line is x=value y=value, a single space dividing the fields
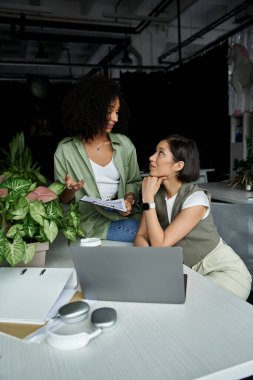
x=28 y=294
x=116 y=204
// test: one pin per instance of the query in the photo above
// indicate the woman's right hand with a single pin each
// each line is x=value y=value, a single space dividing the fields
x=73 y=185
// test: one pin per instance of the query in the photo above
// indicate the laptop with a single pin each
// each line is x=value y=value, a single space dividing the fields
x=130 y=274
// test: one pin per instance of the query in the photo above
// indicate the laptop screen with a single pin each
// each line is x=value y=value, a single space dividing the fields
x=130 y=274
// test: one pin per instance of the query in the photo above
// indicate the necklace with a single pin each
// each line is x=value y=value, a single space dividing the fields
x=98 y=147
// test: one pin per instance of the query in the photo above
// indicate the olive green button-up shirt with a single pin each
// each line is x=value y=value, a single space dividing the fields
x=70 y=158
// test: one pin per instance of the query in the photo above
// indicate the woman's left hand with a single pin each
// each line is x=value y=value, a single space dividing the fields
x=129 y=206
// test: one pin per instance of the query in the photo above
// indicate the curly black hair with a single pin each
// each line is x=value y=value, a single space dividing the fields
x=85 y=108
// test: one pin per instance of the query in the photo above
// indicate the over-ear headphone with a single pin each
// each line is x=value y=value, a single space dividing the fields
x=102 y=319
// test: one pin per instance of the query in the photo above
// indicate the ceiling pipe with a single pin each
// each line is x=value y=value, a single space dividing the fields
x=47 y=23
x=215 y=43
x=23 y=35
x=154 y=13
x=203 y=31
x=23 y=22
x=179 y=32
x=46 y=64
x=54 y=24
x=117 y=50
x=120 y=16
x=106 y=61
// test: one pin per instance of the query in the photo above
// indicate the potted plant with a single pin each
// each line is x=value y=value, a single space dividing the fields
x=31 y=212
x=18 y=161
x=243 y=170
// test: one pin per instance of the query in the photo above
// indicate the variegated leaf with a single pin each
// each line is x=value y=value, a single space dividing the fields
x=20 y=209
x=37 y=212
x=50 y=229
x=57 y=187
x=15 y=251
x=29 y=252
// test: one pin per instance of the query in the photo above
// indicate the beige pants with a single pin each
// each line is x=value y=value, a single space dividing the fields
x=226 y=269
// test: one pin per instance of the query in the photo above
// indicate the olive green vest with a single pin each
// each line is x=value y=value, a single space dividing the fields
x=202 y=239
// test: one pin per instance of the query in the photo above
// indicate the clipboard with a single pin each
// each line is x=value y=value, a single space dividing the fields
x=28 y=294
x=116 y=204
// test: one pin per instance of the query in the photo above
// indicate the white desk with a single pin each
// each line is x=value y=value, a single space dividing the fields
x=221 y=192
x=203 y=175
x=208 y=337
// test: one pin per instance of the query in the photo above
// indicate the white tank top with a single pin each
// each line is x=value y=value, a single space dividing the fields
x=107 y=179
x=195 y=199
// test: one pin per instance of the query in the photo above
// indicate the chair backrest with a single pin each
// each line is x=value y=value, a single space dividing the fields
x=235 y=226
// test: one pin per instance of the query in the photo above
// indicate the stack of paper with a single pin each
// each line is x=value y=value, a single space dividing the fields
x=117 y=204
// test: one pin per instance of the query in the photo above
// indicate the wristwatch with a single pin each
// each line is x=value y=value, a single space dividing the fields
x=147 y=206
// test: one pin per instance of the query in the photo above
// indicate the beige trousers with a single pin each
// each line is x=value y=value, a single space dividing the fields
x=226 y=269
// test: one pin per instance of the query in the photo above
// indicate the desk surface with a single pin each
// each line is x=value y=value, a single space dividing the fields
x=208 y=337
x=221 y=192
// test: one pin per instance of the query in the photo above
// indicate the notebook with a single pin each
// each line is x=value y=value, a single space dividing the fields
x=130 y=274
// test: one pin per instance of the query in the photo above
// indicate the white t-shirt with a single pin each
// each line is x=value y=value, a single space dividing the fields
x=198 y=198
x=107 y=179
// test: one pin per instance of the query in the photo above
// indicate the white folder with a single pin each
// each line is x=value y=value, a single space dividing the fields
x=28 y=294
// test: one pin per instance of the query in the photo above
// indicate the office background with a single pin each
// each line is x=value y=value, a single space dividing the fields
x=170 y=58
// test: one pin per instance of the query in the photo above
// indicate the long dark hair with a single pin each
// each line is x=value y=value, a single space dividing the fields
x=184 y=149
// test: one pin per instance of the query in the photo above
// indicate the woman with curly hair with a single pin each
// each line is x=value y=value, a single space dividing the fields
x=97 y=162
x=176 y=212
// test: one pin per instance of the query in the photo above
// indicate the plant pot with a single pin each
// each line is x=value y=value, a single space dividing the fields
x=39 y=258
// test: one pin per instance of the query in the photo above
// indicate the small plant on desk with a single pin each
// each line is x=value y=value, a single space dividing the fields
x=243 y=169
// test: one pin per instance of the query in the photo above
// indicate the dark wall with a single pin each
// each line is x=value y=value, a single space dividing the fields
x=39 y=118
x=191 y=100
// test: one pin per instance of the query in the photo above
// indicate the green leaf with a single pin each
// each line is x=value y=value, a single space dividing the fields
x=37 y=212
x=19 y=185
x=30 y=227
x=41 y=236
x=40 y=177
x=14 y=252
x=29 y=252
x=50 y=229
x=57 y=187
x=52 y=210
x=14 y=230
x=80 y=232
x=20 y=209
x=70 y=234
x=2 y=239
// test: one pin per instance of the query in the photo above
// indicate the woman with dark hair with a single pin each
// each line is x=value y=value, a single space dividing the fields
x=176 y=212
x=96 y=161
